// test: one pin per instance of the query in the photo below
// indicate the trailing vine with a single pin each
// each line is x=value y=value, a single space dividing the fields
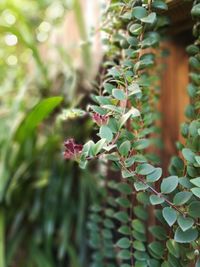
x=125 y=112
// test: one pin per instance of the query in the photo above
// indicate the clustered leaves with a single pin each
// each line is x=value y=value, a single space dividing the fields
x=126 y=114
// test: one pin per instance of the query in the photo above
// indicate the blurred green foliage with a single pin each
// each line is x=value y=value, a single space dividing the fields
x=43 y=199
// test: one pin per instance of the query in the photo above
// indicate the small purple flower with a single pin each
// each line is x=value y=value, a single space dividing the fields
x=100 y=119
x=72 y=150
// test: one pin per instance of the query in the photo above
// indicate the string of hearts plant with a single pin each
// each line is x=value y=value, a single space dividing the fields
x=126 y=116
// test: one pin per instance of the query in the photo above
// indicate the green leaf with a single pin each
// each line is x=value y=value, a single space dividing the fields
x=196 y=11
x=99 y=145
x=132 y=113
x=118 y=94
x=134 y=88
x=125 y=148
x=127 y=173
x=194 y=209
x=121 y=216
x=185 y=223
x=124 y=242
x=142 y=144
x=157 y=248
x=139 y=12
x=196 y=191
x=169 y=184
x=138 y=245
x=155 y=175
x=108 y=87
x=138 y=226
x=170 y=215
x=144 y=169
x=155 y=200
x=124 y=230
x=136 y=29
x=106 y=133
x=196 y=181
x=188 y=155
x=123 y=202
x=151 y=18
x=181 y=198
x=187 y=236
x=124 y=255
x=173 y=248
x=159 y=4
x=140 y=186
x=40 y=112
x=124 y=188
x=158 y=232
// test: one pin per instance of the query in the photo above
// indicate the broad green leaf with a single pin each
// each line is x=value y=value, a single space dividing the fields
x=170 y=215
x=144 y=169
x=159 y=4
x=124 y=148
x=187 y=236
x=185 y=223
x=196 y=10
x=123 y=202
x=108 y=87
x=138 y=226
x=36 y=116
x=181 y=198
x=158 y=232
x=138 y=245
x=134 y=88
x=132 y=113
x=99 y=145
x=195 y=181
x=136 y=29
x=124 y=243
x=139 y=186
x=142 y=144
x=118 y=94
x=151 y=18
x=155 y=200
x=106 y=133
x=169 y=184
x=121 y=216
x=173 y=248
x=188 y=155
x=124 y=230
x=124 y=188
x=155 y=175
x=127 y=173
x=124 y=255
x=139 y=12
x=194 y=209
x=196 y=191
x=157 y=248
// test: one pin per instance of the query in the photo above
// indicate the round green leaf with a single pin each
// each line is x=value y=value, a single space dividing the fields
x=185 y=223
x=187 y=236
x=144 y=169
x=169 y=184
x=123 y=243
x=105 y=132
x=181 y=198
x=118 y=94
x=170 y=215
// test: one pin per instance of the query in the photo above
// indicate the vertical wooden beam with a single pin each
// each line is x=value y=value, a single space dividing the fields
x=174 y=98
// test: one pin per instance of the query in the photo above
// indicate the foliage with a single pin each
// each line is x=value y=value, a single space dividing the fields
x=43 y=199
x=126 y=116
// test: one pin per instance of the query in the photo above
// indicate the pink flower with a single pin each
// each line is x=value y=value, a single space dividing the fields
x=100 y=119
x=72 y=150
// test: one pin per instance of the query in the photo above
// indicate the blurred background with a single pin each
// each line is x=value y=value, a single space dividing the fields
x=47 y=50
